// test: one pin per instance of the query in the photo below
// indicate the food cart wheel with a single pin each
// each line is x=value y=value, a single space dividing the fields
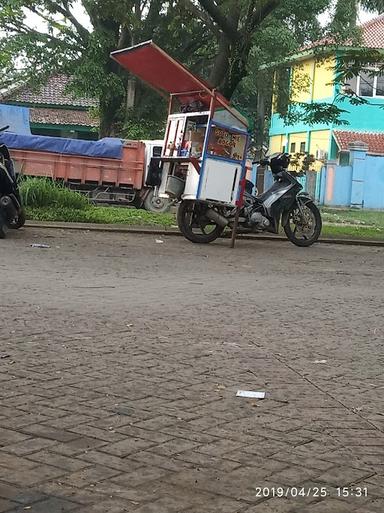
x=153 y=203
x=194 y=225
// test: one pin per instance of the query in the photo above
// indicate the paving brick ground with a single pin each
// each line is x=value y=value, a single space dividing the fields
x=120 y=359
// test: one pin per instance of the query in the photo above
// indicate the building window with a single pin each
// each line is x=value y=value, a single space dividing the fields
x=369 y=84
x=302 y=147
x=293 y=147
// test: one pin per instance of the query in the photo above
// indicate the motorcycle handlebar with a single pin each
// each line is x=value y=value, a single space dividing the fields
x=4 y=128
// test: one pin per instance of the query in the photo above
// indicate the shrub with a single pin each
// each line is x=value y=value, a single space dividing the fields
x=43 y=192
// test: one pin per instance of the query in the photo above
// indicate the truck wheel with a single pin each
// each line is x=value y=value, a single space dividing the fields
x=154 y=204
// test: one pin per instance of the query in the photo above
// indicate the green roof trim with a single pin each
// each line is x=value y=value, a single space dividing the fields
x=320 y=51
x=77 y=128
x=46 y=106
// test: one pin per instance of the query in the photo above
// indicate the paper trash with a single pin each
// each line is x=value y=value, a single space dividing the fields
x=40 y=246
x=250 y=395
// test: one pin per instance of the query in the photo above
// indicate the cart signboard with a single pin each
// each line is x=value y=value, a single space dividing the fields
x=206 y=139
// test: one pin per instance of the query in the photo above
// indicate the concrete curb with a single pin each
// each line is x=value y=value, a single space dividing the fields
x=175 y=232
x=113 y=228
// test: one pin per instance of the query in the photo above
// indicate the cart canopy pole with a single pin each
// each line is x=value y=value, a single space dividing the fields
x=238 y=210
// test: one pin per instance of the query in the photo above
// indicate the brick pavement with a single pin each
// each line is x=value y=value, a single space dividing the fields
x=119 y=371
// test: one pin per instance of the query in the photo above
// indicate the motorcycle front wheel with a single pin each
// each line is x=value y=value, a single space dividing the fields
x=304 y=224
x=194 y=225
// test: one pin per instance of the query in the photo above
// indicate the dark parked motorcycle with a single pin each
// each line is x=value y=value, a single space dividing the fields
x=12 y=213
x=284 y=202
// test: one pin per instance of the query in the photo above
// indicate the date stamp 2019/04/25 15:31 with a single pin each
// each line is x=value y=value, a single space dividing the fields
x=314 y=491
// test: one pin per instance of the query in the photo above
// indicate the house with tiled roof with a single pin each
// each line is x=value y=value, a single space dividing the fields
x=314 y=69
x=373 y=141
x=54 y=110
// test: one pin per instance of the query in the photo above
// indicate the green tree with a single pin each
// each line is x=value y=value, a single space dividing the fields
x=346 y=13
x=62 y=43
x=279 y=31
x=245 y=36
x=237 y=22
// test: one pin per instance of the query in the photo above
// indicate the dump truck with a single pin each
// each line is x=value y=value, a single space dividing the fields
x=109 y=171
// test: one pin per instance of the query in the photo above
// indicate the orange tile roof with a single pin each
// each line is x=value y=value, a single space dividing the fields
x=374 y=140
x=373 y=33
x=372 y=36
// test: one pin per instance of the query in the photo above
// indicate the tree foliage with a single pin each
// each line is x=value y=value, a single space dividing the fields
x=64 y=44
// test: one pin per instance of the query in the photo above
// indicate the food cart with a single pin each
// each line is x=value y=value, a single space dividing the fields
x=206 y=139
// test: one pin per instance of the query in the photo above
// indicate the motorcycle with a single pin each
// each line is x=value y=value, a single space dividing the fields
x=12 y=214
x=284 y=203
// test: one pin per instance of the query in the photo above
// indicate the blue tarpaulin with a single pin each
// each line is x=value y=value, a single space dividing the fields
x=16 y=117
x=108 y=147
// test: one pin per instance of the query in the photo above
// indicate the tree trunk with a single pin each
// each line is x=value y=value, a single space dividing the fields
x=131 y=93
x=260 y=120
x=220 y=67
x=106 y=122
x=239 y=53
x=110 y=107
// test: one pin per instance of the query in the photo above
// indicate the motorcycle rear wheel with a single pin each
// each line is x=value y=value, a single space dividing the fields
x=194 y=226
x=304 y=224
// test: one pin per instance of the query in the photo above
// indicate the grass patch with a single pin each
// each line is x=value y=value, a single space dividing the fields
x=353 y=223
x=101 y=215
x=46 y=200
x=43 y=192
x=371 y=218
x=352 y=232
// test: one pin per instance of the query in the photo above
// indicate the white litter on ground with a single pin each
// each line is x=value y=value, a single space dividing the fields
x=40 y=246
x=250 y=394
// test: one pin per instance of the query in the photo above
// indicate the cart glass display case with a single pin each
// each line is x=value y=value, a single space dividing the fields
x=223 y=164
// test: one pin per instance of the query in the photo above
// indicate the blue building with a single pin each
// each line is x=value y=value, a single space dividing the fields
x=313 y=80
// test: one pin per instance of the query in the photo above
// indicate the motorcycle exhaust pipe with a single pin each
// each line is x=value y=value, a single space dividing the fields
x=7 y=205
x=216 y=218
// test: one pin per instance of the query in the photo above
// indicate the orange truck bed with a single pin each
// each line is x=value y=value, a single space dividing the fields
x=127 y=172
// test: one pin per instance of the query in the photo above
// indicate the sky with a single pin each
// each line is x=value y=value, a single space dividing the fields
x=366 y=16
x=363 y=17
